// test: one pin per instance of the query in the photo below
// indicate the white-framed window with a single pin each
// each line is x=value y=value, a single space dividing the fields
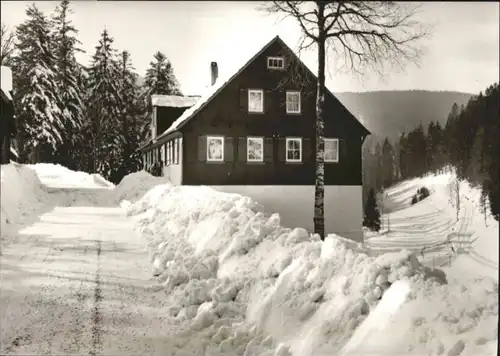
x=275 y=63
x=255 y=149
x=293 y=102
x=215 y=148
x=255 y=100
x=331 y=149
x=293 y=149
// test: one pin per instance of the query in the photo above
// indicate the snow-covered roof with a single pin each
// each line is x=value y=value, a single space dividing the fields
x=174 y=101
x=6 y=75
x=211 y=92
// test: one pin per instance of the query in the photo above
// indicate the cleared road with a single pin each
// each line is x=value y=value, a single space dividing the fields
x=77 y=281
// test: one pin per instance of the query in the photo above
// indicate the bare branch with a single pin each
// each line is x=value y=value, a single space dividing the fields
x=7 y=39
x=365 y=34
x=292 y=9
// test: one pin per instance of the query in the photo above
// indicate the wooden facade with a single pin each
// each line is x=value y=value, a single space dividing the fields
x=226 y=114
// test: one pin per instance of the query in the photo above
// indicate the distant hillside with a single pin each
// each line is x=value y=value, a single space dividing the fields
x=388 y=113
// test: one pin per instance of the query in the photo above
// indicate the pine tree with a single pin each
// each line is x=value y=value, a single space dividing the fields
x=379 y=174
x=69 y=80
x=451 y=135
x=372 y=215
x=104 y=107
x=416 y=152
x=387 y=164
x=476 y=169
x=403 y=156
x=429 y=145
x=131 y=118
x=438 y=148
x=160 y=78
x=40 y=112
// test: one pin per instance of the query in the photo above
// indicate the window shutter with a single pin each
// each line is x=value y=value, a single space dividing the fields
x=342 y=148
x=306 y=149
x=281 y=149
x=228 y=149
x=243 y=100
x=268 y=150
x=242 y=149
x=282 y=100
x=268 y=100
x=202 y=148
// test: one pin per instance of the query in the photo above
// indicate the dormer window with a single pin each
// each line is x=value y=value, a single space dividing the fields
x=275 y=63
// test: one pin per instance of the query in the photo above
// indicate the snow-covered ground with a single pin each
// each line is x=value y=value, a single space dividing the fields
x=231 y=280
x=225 y=266
x=468 y=245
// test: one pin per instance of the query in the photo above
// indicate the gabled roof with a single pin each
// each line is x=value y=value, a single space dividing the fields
x=211 y=93
x=222 y=83
x=174 y=101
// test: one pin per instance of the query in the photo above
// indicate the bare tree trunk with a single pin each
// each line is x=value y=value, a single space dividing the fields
x=319 y=189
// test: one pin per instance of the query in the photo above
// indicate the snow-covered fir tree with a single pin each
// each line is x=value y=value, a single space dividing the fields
x=372 y=214
x=69 y=80
x=131 y=117
x=40 y=113
x=160 y=77
x=104 y=107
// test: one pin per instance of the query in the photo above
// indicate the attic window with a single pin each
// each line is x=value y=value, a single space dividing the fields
x=275 y=63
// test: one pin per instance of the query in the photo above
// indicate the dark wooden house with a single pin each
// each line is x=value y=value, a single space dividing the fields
x=7 y=121
x=253 y=133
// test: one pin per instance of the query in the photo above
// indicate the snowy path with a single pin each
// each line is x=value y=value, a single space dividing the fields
x=76 y=282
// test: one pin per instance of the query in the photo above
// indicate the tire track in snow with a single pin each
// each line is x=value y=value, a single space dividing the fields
x=77 y=325
x=96 y=313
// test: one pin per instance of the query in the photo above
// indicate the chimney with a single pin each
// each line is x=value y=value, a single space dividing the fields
x=214 y=71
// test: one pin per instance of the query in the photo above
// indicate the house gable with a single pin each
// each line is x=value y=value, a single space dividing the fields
x=293 y=76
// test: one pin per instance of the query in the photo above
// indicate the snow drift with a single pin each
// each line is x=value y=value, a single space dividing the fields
x=55 y=175
x=237 y=279
x=22 y=193
x=133 y=186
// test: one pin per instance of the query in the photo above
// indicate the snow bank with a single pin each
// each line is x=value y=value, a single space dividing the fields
x=55 y=175
x=22 y=193
x=133 y=186
x=241 y=284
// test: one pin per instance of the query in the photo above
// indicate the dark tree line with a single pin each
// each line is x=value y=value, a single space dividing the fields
x=88 y=118
x=468 y=142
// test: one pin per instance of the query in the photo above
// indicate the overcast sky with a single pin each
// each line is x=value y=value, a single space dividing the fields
x=462 y=55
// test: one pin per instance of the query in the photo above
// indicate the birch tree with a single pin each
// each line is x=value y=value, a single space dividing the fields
x=362 y=34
